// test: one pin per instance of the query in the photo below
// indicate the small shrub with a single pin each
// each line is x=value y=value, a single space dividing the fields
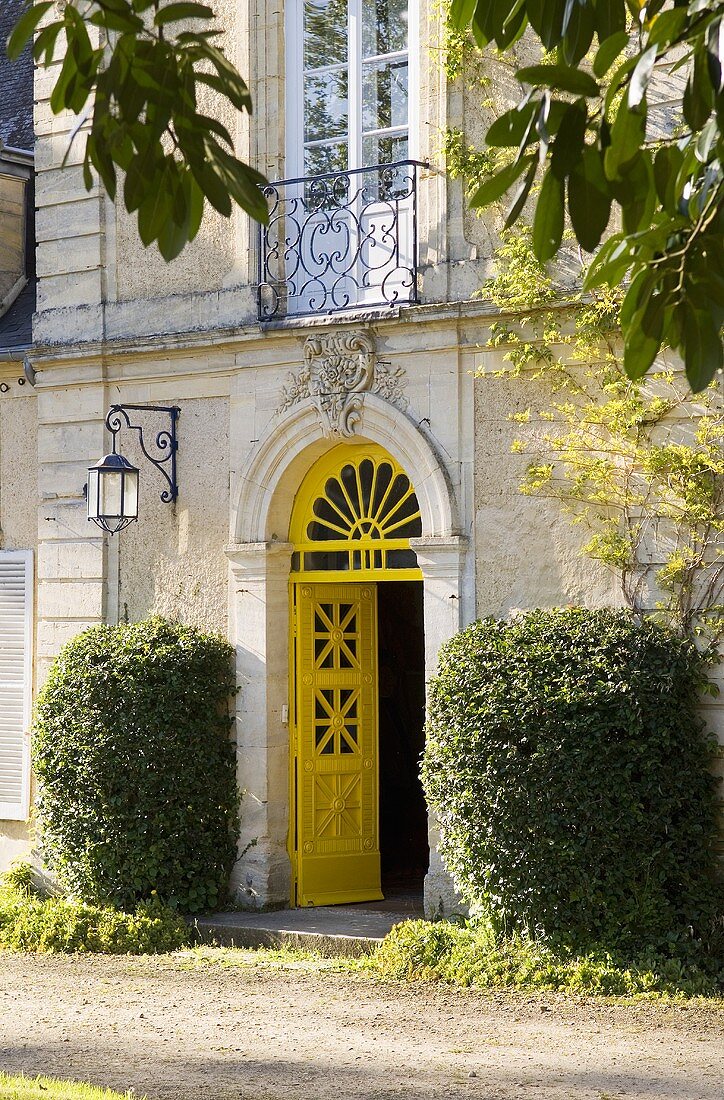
x=32 y=923
x=571 y=779
x=137 y=791
x=473 y=956
x=19 y=876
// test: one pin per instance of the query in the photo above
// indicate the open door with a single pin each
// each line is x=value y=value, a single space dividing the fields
x=336 y=744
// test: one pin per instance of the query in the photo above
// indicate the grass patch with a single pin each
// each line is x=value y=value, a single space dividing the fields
x=272 y=958
x=469 y=956
x=29 y=922
x=49 y=1088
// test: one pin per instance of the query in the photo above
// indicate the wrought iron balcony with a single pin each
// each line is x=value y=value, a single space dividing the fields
x=339 y=241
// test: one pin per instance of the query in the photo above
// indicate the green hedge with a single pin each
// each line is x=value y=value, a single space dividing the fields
x=137 y=792
x=571 y=778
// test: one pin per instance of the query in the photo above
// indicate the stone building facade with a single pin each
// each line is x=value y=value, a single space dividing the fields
x=280 y=389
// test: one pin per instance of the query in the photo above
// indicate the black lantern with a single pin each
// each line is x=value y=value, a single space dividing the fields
x=113 y=482
x=113 y=493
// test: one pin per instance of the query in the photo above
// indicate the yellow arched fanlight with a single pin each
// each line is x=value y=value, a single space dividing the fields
x=355 y=513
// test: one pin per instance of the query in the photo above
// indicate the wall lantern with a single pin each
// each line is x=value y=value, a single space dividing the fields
x=113 y=482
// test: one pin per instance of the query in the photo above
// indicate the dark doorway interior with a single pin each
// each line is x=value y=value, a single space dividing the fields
x=403 y=814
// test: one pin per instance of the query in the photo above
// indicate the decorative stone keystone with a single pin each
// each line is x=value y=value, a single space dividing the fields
x=339 y=368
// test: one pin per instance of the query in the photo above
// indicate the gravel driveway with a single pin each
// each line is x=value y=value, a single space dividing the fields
x=169 y=1031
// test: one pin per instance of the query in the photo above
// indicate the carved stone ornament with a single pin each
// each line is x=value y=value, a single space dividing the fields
x=339 y=368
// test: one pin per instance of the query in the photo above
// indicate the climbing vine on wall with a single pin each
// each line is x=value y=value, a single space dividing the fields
x=638 y=465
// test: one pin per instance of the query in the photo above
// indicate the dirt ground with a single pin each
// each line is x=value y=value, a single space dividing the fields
x=214 y=1034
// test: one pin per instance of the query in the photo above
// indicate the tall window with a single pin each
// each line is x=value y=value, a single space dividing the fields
x=348 y=84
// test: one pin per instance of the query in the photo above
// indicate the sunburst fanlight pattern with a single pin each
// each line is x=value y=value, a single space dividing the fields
x=363 y=517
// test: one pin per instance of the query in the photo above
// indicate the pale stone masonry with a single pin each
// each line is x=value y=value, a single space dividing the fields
x=114 y=324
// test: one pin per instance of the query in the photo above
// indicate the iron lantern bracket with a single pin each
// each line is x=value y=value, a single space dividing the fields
x=166 y=442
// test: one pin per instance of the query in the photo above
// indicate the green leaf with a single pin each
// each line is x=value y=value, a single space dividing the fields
x=638 y=293
x=510 y=128
x=497 y=185
x=703 y=355
x=589 y=199
x=44 y=45
x=628 y=134
x=610 y=263
x=461 y=12
x=642 y=336
x=155 y=210
x=608 y=51
x=715 y=53
x=514 y=22
x=578 y=27
x=610 y=18
x=195 y=200
x=698 y=94
x=641 y=76
x=562 y=77
x=549 y=218
x=519 y=199
x=667 y=165
x=570 y=139
x=172 y=240
x=173 y=13
x=212 y=187
x=25 y=27
x=546 y=18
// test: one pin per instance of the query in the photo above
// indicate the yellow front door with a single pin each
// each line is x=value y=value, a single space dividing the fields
x=336 y=841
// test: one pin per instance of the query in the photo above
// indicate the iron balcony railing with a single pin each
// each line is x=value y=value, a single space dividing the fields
x=339 y=241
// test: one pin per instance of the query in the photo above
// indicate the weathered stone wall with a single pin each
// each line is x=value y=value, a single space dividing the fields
x=18 y=464
x=526 y=551
x=172 y=563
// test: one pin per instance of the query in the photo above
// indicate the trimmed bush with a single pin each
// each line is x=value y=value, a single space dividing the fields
x=571 y=778
x=137 y=793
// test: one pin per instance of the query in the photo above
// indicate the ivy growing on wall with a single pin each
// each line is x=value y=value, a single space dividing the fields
x=638 y=465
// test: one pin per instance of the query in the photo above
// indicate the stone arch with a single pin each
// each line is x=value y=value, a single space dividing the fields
x=260 y=560
x=294 y=440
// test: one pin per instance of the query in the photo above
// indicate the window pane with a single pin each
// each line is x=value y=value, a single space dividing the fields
x=386 y=150
x=325 y=32
x=331 y=157
x=384 y=95
x=384 y=26
x=326 y=106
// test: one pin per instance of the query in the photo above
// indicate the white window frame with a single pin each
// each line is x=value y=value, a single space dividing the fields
x=20 y=811
x=294 y=60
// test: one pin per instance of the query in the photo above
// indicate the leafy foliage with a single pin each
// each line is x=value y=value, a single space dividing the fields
x=29 y=922
x=571 y=780
x=638 y=463
x=137 y=792
x=133 y=71
x=471 y=956
x=586 y=127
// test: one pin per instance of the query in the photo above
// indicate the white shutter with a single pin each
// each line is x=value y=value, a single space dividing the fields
x=16 y=648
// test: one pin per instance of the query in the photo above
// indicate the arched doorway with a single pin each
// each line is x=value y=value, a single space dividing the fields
x=358 y=819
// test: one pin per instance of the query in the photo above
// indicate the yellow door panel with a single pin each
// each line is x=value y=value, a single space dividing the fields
x=338 y=855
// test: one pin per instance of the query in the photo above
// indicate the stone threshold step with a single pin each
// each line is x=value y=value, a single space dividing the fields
x=327 y=930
